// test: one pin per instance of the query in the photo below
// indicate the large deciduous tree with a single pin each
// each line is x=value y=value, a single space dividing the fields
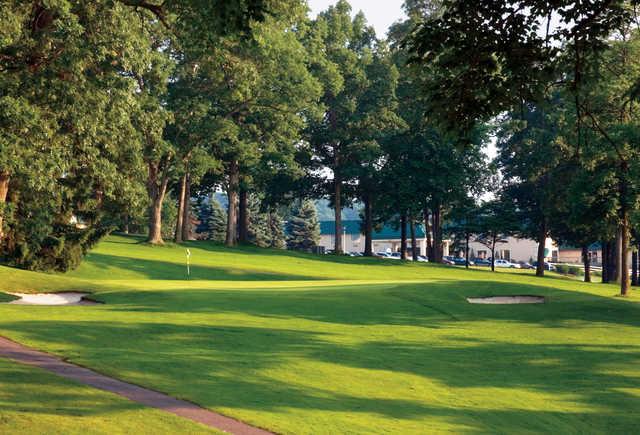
x=359 y=100
x=518 y=50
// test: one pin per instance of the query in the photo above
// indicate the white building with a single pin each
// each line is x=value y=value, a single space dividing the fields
x=514 y=249
x=388 y=240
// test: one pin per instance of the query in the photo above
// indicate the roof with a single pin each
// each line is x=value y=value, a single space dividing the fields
x=352 y=227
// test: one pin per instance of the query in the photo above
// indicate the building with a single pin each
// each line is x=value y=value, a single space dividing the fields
x=573 y=255
x=514 y=249
x=385 y=240
x=388 y=240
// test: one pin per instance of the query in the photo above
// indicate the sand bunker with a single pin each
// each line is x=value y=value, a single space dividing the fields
x=65 y=298
x=500 y=300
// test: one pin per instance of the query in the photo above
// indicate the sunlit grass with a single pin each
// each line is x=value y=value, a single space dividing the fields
x=304 y=344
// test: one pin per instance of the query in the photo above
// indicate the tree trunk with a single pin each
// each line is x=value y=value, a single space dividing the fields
x=619 y=249
x=634 y=268
x=624 y=254
x=493 y=254
x=157 y=189
x=368 y=226
x=605 y=262
x=414 y=243
x=243 y=217
x=542 y=241
x=403 y=236
x=337 y=192
x=181 y=203
x=613 y=258
x=437 y=234
x=4 y=192
x=466 y=250
x=125 y=223
x=186 y=210
x=232 y=196
x=427 y=230
x=586 y=260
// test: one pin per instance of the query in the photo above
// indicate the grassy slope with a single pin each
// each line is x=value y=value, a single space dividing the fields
x=301 y=344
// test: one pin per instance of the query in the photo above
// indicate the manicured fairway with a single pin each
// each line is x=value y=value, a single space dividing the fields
x=303 y=344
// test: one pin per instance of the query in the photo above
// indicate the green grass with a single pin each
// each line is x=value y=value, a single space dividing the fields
x=62 y=406
x=304 y=344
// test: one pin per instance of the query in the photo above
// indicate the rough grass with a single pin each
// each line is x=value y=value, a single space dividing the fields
x=304 y=344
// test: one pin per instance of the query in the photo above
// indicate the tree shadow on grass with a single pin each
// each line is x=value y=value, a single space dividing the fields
x=26 y=389
x=229 y=366
x=117 y=267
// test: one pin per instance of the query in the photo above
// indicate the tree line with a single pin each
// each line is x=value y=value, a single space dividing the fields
x=117 y=114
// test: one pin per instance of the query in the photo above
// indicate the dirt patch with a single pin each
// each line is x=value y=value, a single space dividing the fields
x=507 y=300
x=63 y=298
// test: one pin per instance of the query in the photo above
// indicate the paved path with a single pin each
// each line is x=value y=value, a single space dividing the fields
x=25 y=355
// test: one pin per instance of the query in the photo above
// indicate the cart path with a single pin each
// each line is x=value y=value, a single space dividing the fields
x=25 y=355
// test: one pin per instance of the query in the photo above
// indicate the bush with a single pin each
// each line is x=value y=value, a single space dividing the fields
x=575 y=270
x=562 y=268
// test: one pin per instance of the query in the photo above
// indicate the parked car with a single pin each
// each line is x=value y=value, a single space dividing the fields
x=547 y=266
x=507 y=264
x=459 y=261
x=526 y=265
x=447 y=259
x=355 y=254
x=398 y=256
x=482 y=262
x=423 y=258
x=383 y=255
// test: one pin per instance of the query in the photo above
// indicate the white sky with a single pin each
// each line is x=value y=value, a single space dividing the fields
x=380 y=13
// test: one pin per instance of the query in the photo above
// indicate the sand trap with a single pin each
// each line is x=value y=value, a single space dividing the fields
x=500 y=300
x=65 y=298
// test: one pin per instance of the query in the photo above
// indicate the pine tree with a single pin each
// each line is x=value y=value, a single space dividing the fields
x=303 y=229
x=276 y=228
x=217 y=222
x=205 y=211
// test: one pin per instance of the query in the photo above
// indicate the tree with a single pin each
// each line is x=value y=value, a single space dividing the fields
x=303 y=229
x=69 y=151
x=259 y=93
x=530 y=158
x=217 y=223
x=464 y=224
x=358 y=100
x=465 y=46
x=433 y=169
x=495 y=222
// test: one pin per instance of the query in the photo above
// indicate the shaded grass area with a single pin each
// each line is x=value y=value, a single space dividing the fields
x=34 y=401
x=361 y=346
x=7 y=298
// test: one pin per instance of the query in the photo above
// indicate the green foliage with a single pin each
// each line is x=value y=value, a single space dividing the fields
x=303 y=229
x=169 y=215
x=359 y=101
x=266 y=228
x=513 y=49
x=217 y=222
